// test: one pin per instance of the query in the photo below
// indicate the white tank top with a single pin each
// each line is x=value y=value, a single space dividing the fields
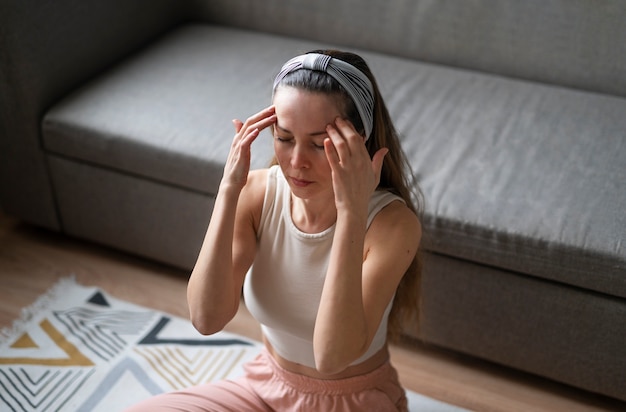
x=283 y=288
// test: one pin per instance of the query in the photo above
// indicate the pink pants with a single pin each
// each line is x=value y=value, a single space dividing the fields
x=268 y=387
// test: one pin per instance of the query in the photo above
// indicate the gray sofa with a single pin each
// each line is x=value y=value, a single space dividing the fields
x=115 y=124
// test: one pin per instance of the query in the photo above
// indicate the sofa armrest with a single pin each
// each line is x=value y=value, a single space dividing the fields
x=46 y=50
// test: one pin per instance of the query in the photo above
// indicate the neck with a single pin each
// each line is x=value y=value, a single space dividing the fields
x=313 y=215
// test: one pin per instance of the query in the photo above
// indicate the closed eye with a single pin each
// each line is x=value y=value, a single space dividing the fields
x=290 y=139
x=284 y=139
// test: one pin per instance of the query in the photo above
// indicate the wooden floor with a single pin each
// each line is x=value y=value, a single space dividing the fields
x=32 y=260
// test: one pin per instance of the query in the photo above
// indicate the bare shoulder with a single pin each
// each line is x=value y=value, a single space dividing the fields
x=257 y=180
x=395 y=223
x=391 y=243
x=253 y=194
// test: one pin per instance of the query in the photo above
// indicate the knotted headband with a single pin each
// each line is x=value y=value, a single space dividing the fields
x=354 y=81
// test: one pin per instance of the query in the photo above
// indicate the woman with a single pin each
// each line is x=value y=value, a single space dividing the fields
x=330 y=236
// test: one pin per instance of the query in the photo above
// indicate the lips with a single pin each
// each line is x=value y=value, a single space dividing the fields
x=300 y=182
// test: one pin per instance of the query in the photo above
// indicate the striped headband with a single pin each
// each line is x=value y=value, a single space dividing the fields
x=354 y=81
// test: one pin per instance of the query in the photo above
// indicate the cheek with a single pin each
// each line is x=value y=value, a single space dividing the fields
x=280 y=151
x=321 y=165
x=322 y=161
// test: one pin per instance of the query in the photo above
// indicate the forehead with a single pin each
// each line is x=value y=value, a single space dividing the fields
x=299 y=106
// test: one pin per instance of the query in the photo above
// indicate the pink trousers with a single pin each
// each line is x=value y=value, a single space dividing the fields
x=266 y=386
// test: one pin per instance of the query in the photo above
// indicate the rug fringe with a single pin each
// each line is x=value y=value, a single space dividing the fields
x=9 y=333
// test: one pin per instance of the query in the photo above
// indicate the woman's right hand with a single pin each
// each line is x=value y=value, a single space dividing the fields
x=238 y=162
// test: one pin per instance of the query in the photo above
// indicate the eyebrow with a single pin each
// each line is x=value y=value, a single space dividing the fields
x=282 y=129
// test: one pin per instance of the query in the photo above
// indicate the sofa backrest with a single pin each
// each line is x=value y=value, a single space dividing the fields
x=572 y=43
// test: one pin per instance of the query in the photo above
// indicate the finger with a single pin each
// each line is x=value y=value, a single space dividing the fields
x=377 y=162
x=347 y=129
x=250 y=136
x=340 y=145
x=249 y=130
x=264 y=123
x=260 y=116
x=238 y=125
x=331 y=153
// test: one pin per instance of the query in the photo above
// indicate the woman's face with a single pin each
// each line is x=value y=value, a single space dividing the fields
x=299 y=135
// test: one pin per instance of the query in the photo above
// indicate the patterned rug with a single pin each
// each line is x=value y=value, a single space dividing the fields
x=80 y=349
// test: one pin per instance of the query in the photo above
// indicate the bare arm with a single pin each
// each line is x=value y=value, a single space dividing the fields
x=362 y=278
x=229 y=245
x=365 y=268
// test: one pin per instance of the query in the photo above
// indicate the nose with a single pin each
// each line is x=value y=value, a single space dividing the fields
x=299 y=158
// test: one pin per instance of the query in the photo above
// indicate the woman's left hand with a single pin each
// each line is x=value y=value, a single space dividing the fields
x=355 y=175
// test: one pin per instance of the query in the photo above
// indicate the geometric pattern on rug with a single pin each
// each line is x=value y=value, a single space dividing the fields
x=79 y=349
x=102 y=333
x=126 y=373
x=199 y=365
x=25 y=389
x=154 y=337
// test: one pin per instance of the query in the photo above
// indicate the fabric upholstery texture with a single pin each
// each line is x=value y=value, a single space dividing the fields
x=46 y=50
x=572 y=43
x=525 y=322
x=162 y=222
x=472 y=131
x=165 y=114
x=517 y=175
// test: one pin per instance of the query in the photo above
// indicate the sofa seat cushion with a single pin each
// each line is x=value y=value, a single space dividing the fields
x=165 y=114
x=517 y=175
x=521 y=176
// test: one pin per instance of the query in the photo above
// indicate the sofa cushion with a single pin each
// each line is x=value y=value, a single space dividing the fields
x=165 y=114
x=517 y=175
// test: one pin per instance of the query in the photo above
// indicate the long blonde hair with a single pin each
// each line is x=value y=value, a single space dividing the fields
x=396 y=175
